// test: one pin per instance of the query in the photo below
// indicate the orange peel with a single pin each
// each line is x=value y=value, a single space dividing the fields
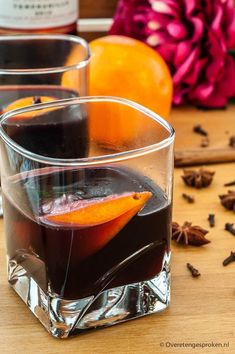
x=29 y=101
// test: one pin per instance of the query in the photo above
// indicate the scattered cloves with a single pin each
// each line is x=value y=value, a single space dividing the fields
x=211 y=219
x=199 y=130
x=229 y=184
x=229 y=259
x=229 y=227
x=188 y=198
x=195 y=272
x=37 y=99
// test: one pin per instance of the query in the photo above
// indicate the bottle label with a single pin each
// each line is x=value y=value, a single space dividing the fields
x=37 y=14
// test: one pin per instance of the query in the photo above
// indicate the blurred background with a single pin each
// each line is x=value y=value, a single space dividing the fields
x=96 y=9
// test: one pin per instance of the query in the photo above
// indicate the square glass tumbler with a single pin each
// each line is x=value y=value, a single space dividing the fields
x=87 y=215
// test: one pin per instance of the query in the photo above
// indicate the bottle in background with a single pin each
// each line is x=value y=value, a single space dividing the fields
x=38 y=16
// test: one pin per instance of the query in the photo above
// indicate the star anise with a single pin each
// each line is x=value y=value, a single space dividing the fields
x=198 y=178
x=188 y=234
x=228 y=200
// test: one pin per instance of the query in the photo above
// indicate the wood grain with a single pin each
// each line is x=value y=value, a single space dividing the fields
x=89 y=36
x=201 y=309
x=220 y=125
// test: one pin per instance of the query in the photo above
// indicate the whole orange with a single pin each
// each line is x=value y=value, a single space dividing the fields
x=125 y=67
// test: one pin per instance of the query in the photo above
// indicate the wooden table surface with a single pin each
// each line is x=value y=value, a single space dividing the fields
x=201 y=310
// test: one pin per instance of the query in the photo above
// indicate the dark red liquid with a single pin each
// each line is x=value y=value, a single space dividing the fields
x=54 y=252
x=59 y=133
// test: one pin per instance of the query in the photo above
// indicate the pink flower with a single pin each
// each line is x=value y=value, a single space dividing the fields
x=193 y=37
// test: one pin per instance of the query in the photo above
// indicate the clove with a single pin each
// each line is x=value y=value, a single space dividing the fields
x=199 y=130
x=188 y=198
x=211 y=219
x=195 y=272
x=229 y=227
x=37 y=99
x=229 y=259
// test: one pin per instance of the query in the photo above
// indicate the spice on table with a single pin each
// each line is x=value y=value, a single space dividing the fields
x=37 y=99
x=199 y=130
x=232 y=141
x=229 y=184
x=189 y=198
x=195 y=272
x=229 y=227
x=229 y=259
x=188 y=234
x=228 y=200
x=198 y=178
x=205 y=142
x=211 y=219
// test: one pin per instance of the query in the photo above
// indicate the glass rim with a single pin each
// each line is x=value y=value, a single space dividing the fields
x=49 y=70
x=93 y=160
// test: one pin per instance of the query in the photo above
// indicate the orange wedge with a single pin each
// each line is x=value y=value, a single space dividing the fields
x=100 y=211
x=100 y=221
x=29 y=101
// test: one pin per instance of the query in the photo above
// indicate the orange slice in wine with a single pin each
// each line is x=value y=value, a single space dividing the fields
x=101 y=210
x=100 y=221
x=29 y=101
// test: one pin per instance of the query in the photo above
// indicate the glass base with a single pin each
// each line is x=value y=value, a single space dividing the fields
x=64 y=318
